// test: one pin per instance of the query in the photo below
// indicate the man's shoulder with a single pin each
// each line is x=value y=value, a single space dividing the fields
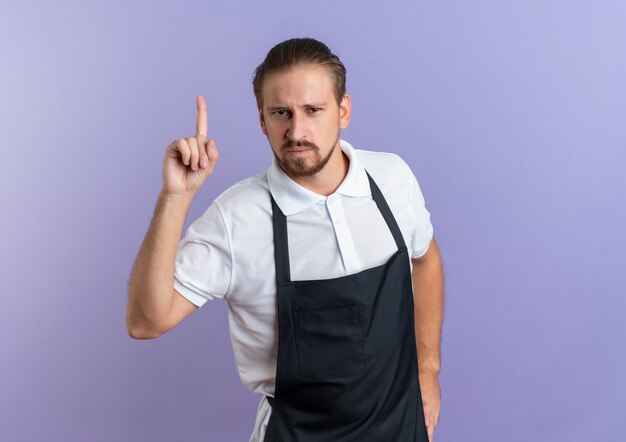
x=377 y=162
x=389 y=170
x=249 y=191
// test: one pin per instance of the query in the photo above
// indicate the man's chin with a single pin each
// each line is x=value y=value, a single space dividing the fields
x=298 y=167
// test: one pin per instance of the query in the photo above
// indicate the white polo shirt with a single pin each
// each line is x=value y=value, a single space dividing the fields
x=228 y=252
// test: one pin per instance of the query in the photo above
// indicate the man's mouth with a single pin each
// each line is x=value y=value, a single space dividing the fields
x=299 y=151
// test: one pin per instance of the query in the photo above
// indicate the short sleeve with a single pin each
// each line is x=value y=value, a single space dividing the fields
x=423 y=229
x=203 y=264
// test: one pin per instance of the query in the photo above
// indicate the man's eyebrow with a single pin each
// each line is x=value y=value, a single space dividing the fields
x=274 y=108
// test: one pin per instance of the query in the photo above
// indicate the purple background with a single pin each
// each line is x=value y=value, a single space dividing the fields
x=510 y=113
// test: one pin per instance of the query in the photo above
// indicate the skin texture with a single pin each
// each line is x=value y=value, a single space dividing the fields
x=154 y=306
x=428 y=294
x=300 y=110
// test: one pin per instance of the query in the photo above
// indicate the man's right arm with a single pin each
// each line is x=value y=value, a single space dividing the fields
x=154 y=306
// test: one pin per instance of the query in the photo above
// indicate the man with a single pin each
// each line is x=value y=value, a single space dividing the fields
x=327 y=261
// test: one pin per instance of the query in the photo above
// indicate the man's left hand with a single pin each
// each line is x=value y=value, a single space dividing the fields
x=431 y=401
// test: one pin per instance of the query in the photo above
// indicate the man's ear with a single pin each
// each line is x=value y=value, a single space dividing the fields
x=262 y=121
x=345 y=111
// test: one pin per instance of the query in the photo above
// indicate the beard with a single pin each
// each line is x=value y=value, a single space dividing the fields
x=298 y=167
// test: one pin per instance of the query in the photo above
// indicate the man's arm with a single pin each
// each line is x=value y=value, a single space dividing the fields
x=153 y=305
x=428 y=299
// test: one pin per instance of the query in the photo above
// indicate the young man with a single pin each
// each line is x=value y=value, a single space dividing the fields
x=326 y=259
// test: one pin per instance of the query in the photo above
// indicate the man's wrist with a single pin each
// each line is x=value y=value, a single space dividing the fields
x=176 y=198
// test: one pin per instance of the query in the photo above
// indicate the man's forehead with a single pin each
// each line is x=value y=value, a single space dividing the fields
x=308 y=83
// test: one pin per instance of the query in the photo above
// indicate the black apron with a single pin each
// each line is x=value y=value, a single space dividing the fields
x=347 y=359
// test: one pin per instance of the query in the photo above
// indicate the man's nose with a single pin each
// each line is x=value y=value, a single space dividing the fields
x=296 y=130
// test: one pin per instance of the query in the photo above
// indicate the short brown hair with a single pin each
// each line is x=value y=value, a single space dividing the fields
x=294 y=52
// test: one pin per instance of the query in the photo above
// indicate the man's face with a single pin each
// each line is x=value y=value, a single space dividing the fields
x=302 y=120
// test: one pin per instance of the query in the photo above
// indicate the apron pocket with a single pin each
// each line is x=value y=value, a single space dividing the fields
x=329 y=342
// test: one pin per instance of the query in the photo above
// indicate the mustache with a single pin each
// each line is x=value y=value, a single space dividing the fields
x=291 y=144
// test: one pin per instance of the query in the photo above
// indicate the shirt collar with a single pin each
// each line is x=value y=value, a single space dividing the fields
x=292 y=198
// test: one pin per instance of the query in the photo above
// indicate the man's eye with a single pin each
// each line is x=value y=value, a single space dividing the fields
x=314 y=110
x=281 y=112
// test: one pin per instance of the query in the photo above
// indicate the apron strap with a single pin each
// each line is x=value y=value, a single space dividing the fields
x=281 y=245
x=386 y=212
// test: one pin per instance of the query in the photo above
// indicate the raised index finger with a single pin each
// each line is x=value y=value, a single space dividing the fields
x=201 y=123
